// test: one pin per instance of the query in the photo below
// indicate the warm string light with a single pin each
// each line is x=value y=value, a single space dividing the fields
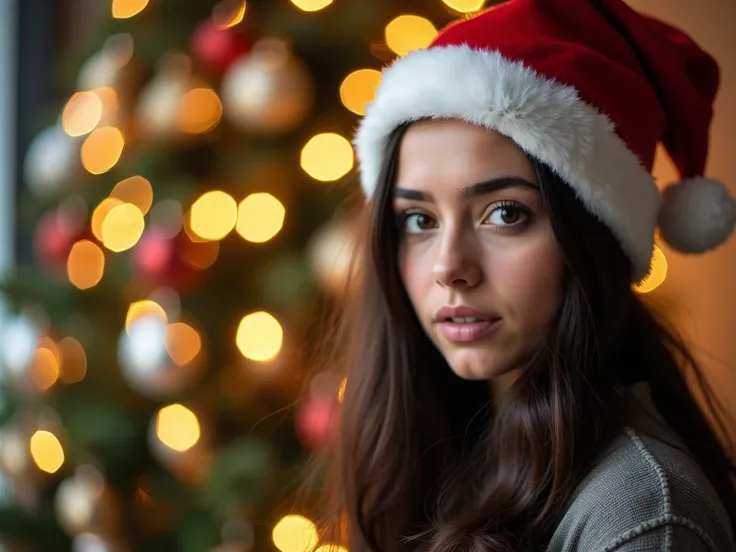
x=136 y=190
x=465 y=6
x=213 y=215
x=102 y=149
x=85 y=264
x=142 y=309
x=657 y=273
x=125 y=9
x=200 y=111
x=177 y=427
x=359 y=88
x=260 y=217
x=122 y=228
x=311 y=5
x=327 y=157
x=259 y=336
x=73 y=361
x=294 y=533
x=406 y=33
x=46 y=451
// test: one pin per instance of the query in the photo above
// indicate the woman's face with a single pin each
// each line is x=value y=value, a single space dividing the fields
x=477 y=253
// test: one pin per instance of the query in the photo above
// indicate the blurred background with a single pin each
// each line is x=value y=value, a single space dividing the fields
x=175 y=183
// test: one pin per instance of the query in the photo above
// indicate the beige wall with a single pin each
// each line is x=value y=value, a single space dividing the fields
x=703 y=288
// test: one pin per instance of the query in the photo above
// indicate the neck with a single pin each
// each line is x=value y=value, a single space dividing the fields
x=499 y=385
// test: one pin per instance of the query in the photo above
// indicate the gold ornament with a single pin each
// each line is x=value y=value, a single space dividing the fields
x=176 y=104
x=160 y=359
x=331 y=251
x=84 y=503
x=268 y=91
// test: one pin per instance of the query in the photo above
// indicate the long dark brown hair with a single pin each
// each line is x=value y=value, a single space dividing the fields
x=424 y=461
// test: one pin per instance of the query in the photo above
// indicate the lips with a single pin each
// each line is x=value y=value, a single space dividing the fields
x=464 y=324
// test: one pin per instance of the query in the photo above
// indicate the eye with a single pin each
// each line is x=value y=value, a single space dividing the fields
x=508 y=213
x=416 y=222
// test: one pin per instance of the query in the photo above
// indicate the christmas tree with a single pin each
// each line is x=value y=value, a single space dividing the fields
x=184 y=200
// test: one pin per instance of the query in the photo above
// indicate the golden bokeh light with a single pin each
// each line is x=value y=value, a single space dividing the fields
x=657 y=273
x=200 y=254
x=294 y=533
x=330 y=548
x=125 y=9
x=109 y=98
x=327 y=157
x=311 y=5
x=100 y=213
x=183 y=343
x=465 y=6
x=141 y=309
x=409 y=32
x=46 y=451
x=228 y=13
x=359 y=88
x=136 y=190
x=341 y=390
x=213 y=215
x=123 y=227
x=44 y=367
x=177 y=427
x=86 y=264
x=259 y=336
x=260 y=217
x=74 y=361
x=102 y=149
x=82 y=113
x=200 y=111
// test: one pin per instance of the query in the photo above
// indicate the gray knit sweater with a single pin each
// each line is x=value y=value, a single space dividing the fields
x=645 y=494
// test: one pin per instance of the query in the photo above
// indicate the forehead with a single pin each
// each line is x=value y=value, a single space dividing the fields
x=441 y=151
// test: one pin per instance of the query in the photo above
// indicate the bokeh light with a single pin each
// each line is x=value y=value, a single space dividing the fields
x=409 y=32
x=177 y=427
x=102 y=149
x=46 y=451
x=330 y=548
x=200 y=254
x=122 y=228
x=213 y=215
x=259 y=336
x=100 y=213
x=200 y=111
x=183 y=343
x=141 y=309
x=74 y=361
x=82 y=113
x=86 y=264
x=294 y=533
x=228 y=13
x=260 y=217
x=136 y=190
x=465 y=6
x=327 y=157
x=657 y=273
x=44 y=366
x=311 y=5
x=359 y=88
x=125 y=9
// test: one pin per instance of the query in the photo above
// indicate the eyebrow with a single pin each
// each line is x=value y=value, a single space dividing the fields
x=474 y=190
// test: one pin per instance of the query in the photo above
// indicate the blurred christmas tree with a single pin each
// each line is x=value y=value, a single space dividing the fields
x=184 y=207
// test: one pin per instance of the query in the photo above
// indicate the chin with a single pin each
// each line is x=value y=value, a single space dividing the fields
x=477 y=365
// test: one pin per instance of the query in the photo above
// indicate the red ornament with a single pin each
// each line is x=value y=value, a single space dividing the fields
x=218 y=48
x=55 y=235
x=317 y=422
x=158 y=259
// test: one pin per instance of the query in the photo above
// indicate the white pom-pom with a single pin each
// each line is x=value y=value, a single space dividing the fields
x=697 y=215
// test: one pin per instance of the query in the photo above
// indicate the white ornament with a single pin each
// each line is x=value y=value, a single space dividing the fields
x=51 y=161
x=697 y=215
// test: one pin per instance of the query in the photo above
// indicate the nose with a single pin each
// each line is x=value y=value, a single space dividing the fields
x=457 y=264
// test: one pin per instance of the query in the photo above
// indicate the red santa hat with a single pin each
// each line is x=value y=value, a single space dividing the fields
x=588 y=87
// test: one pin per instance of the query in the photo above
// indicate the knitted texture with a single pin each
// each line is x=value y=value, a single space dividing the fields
x=645 y=494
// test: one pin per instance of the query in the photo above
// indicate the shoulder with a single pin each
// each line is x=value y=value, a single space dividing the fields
x=644 y=493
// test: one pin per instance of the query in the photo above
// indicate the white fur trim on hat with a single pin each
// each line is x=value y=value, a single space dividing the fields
x=546 y=119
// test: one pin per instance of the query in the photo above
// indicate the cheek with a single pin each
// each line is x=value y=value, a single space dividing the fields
x=530 y=281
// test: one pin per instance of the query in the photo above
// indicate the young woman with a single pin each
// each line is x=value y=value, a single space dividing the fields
x=507 y=390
